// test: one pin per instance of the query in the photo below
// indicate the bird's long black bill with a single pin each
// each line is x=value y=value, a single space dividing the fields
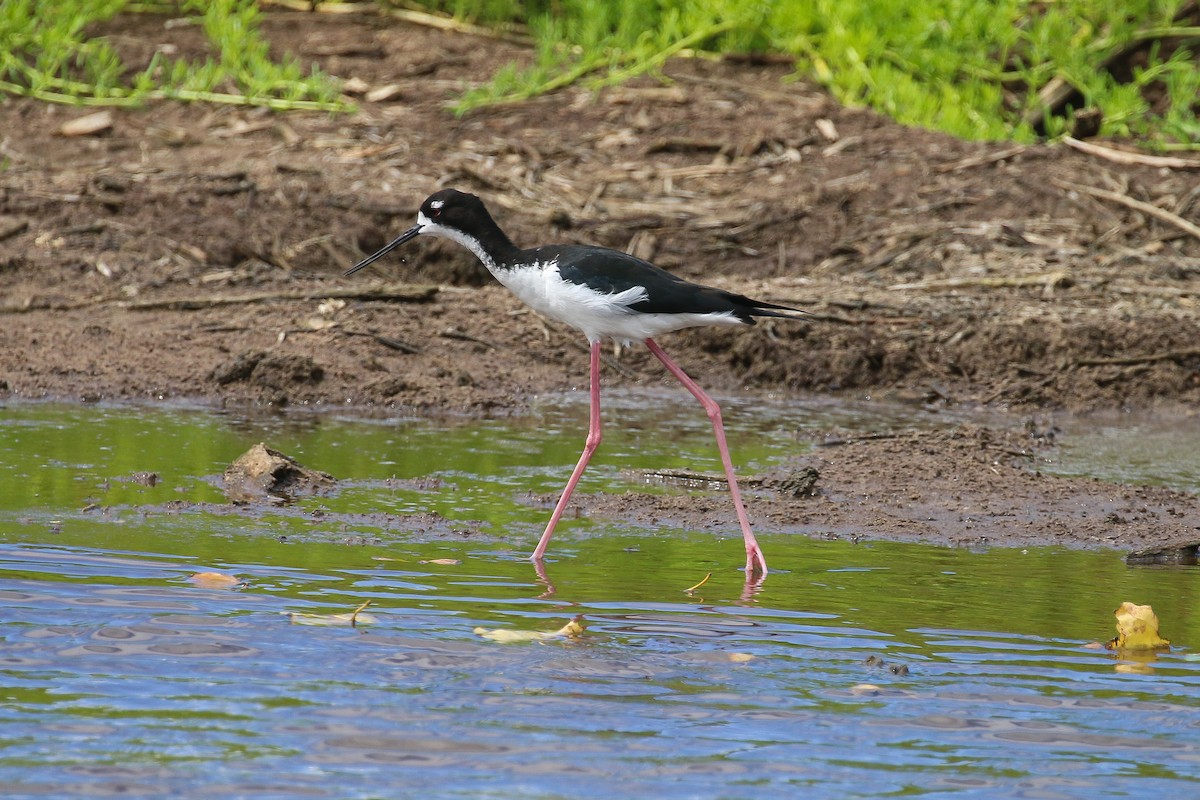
x=389 y=247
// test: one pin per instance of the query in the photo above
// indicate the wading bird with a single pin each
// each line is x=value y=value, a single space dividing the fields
x=605 y=294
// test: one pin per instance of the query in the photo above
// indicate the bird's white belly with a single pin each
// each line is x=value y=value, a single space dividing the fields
x=598 y=315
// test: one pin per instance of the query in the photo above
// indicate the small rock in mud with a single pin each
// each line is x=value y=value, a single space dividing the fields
x=280 y=372
x=390 y=387
x=264 y=474
x=801 y=483
x=237 y=369
x=271 y=371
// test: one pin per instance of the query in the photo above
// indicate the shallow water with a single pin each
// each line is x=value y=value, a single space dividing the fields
x=1161 y=449
x=120 y=676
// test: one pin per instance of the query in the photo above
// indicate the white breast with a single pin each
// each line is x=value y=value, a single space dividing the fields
x=598 y=315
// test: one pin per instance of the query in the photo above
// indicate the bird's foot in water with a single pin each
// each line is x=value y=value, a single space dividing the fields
x=756 y=565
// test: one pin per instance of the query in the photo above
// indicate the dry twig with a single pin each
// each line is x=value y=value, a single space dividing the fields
x=354 y=615
x=1121 y=361
x=981 y=160
x=990 y=282
x=1137 y=205
x=458 y=26
x=408 y=293
x=1127 y=157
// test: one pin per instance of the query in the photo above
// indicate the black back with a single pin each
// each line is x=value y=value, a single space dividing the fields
x=611 y=271
x=599 y=268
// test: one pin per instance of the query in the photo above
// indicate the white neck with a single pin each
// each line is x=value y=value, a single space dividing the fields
x=430 y=228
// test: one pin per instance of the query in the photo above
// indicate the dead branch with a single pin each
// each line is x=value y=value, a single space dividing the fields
x=404 y=293
x=454 y=333
x=515 y=35
x=1128 y=157
x=866 y=437
x=687 y=476
x=1122 y=361
x=981 y=160
x=1151 y=291
x=387 y=341
x=989 y=282
x=1137 y=205
x=11 y=228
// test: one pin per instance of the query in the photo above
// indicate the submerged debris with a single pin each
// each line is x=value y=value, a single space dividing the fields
x=262 y=474
x=143 y=478
x=215 y=580
x=1186 y=554
x=876 y=661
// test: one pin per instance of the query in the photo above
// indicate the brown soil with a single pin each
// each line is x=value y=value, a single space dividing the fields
x=190 y=251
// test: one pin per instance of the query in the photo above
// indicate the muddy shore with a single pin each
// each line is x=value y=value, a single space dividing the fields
x=196 y=252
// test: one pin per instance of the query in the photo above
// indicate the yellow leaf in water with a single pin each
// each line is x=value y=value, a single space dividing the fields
x=1137 y=629
x=507 y=637
x=570 y=630
x=1134 y=669
x=214 y=580
x=740 y=658
x=445 y=562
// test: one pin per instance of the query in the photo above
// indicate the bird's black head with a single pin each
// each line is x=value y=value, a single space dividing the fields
x=450 y=208
x=449 y=214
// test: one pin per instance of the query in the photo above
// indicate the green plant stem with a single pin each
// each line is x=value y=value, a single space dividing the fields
x=657 y=59
x=131 y=100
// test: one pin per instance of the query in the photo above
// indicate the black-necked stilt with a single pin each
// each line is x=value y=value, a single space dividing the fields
x=605 y=294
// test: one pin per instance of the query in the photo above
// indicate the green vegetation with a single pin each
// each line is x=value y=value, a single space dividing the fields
x=46 y=52
x=979 y=69
x=973 y=68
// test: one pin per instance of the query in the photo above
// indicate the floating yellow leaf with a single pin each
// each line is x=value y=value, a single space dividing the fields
x=571 y=630
x=445 y=562
x=1137 y=629
x=214 y=580
x=740 y=658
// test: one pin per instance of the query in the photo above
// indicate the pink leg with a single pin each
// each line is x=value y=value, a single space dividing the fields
x=755 y=563
x=593 y=441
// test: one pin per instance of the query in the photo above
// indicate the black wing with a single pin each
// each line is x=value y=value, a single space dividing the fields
x=611 y=271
